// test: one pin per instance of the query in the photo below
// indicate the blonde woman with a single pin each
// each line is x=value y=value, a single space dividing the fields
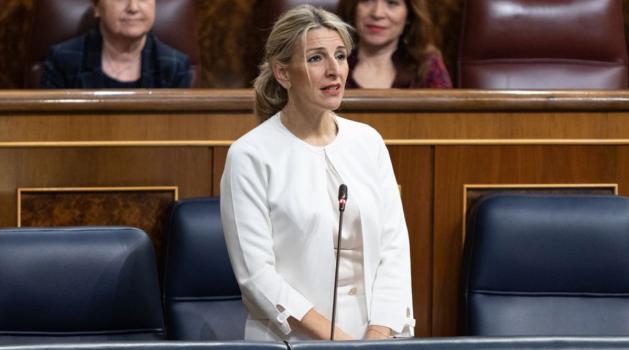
x=120 y=53
x=279 y=201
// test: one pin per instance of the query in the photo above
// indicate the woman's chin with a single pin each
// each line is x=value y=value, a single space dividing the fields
x=376 y=41
x=132 y=34
x=334 y=106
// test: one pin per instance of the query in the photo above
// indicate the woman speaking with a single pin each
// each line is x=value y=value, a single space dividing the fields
x=279 y=201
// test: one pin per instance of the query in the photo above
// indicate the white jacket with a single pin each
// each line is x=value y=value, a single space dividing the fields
x=275 y=209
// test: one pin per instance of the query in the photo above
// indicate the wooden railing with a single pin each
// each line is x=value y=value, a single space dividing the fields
x=448 y=148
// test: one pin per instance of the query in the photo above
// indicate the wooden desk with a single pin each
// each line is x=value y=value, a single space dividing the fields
x=444 y=146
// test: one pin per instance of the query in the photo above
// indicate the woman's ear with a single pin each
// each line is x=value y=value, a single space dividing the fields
x=281 y=75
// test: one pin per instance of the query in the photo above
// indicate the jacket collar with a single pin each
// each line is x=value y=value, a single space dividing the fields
x=93 y=63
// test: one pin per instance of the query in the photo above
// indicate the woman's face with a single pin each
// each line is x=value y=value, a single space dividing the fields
x=128 y=19
x=380 y=23
x=315 y=77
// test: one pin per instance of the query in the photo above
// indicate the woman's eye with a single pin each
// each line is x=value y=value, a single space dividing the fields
x=341 y=56
x=393 y=2
x=315 y=58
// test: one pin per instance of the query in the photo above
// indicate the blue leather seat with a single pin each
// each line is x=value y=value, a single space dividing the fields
x=201 y=295
x=78 y=284
x=547 y=265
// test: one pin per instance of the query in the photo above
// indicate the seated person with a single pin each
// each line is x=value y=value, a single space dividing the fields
x=120 y=53
x=395 y=46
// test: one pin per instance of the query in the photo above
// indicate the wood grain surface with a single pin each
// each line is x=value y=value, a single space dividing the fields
x=439 y=143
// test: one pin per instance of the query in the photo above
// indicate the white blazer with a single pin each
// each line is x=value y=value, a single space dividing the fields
x=278 y=225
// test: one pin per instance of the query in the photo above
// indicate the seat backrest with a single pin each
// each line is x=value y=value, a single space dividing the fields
x=78 y=284
x=55 y=21
x=547 y=265
x=543 y=44
x=201 y=295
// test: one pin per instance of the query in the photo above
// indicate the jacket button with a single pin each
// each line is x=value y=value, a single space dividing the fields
x=352 y=291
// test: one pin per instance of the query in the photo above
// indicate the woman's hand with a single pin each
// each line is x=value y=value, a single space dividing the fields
x=340 y=335
x=375 y=332
x=318 y=326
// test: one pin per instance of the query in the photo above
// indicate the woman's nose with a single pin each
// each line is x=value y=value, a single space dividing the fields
x=377 y=9
x=333 y=68
x=132 y=5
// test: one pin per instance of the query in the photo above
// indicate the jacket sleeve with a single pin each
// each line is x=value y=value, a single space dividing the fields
x=183 y=73
x=392 y=303
x=53 y=76
x=249 y=238
x=436 y=74
x=172 y=65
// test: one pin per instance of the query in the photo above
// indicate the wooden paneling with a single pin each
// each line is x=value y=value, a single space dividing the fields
x=393 y=101
x=189 y=168
x=456 y=166
x=147 y=208
x=439 y=141
x=15 y=23
x=413 y=166
x=216 y=117
x=56 y=207
x=220 y=155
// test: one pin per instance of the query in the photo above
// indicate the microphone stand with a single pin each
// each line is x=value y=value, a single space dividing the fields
x=342 y=201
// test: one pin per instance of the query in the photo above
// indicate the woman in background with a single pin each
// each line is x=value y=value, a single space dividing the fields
x=395 y=46
x=120 y=53
x=279 y=199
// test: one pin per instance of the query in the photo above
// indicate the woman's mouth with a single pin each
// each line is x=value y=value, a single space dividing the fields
x=132 y=20
x=374 y=28
x=332 y=89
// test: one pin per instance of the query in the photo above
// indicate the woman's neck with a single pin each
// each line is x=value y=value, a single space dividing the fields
x=121 y=59
x=376 y=55
x=317 y=128
x=122 y=50
x=375 y=67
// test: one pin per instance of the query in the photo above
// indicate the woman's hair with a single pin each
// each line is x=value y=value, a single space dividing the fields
x=289 y=30
x=418 y=38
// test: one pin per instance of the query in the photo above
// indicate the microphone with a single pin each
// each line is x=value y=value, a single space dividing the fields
x=342 y=202
x=342 y=198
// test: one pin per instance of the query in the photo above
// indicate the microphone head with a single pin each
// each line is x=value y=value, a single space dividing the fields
x=343 y=192
x=342 y=196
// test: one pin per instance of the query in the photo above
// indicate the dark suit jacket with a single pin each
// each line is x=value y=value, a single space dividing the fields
x=76 y=64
